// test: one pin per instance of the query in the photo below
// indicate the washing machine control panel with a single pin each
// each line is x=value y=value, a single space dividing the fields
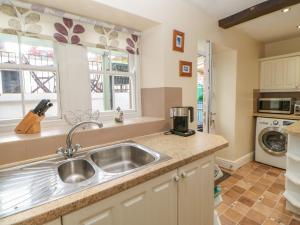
x=275 y=122
x=287 y=123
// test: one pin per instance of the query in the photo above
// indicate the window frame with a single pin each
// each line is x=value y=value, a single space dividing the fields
x=135 y=78
x=21 y=67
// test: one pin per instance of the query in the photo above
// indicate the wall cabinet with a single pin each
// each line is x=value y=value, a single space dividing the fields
x=280 y=74
x=183 y=197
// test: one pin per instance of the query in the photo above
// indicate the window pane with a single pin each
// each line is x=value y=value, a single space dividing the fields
x=98 y=59
x=9 y=49
x=101 y=92
x=40 y=85
x=10 y=95
x=120 y=61
x=123 y=92
x=36 y=52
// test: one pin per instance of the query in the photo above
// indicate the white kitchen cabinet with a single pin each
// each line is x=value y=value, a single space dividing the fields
x=54 y=222
x=180 y=197
x=196 y=193
x=280 y=74
x=153 y=202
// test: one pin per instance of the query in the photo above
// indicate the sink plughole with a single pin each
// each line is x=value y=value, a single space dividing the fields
x=75 y=171
x=27 y=186
x=122 y=158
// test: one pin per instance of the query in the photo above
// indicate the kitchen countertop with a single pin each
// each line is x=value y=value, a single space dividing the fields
x=277 y=116
x=181 y=150
x=293 y=129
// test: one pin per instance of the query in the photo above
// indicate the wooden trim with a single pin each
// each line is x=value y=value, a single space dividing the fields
x=255 y=11
x=175 y=47
x=181 y=65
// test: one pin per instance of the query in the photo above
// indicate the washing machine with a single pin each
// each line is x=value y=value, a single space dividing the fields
x=271 y=141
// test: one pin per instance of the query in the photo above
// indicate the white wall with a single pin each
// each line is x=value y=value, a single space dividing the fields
x=224 y=96
x=282 y=47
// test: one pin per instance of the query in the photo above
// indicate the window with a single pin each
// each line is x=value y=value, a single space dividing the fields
x=113 y=79
x=27 y=75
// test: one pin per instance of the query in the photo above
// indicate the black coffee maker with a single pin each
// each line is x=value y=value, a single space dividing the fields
x=180 y=116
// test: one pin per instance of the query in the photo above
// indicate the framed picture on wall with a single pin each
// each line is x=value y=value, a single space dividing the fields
x=185 y=69
x=178 y=41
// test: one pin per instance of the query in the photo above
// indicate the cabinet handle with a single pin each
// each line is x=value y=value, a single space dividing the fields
x=176 y=178
x=183 y=175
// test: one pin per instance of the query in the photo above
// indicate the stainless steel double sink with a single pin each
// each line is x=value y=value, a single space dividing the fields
x=30 y=185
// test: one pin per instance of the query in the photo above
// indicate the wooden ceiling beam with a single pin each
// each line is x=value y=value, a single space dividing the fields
x=256 y=11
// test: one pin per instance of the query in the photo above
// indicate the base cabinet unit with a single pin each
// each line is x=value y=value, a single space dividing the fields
x=181 y=197
x=196 y=193
x=54 y=222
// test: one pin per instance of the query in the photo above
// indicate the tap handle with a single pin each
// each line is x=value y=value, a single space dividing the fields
x=61 y=151
x=77 y=147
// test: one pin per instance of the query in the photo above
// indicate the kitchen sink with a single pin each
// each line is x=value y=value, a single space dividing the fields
x=75 y=171
x=29 y=185
x=122 y=158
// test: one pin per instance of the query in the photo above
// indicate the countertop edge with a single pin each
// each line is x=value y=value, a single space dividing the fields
x=106 y=193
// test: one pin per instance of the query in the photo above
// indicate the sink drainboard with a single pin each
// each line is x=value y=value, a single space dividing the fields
x=26 y=186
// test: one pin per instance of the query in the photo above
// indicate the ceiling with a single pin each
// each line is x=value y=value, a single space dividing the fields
x=223 y=8
x=275 y=26
x=269 y=28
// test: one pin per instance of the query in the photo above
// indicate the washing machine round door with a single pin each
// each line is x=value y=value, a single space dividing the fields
x=273 y=140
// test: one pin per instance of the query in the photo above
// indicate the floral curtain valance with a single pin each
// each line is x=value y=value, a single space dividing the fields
x=35 y=20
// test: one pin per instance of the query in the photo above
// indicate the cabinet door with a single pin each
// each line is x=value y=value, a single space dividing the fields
x=54 y=222
x=266 y=72
x=195 y=193
x=101 y=213
x=153 y=202
x=292 y=73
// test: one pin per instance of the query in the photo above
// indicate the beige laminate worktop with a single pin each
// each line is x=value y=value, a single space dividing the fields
x=293 y=129
x=277 y=116
x=183 y=150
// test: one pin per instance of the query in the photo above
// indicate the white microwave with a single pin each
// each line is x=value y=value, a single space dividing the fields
x=276 y=105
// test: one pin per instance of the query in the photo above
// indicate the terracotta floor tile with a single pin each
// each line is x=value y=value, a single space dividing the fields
x=243 y=184
x=238 y=189
x=233 y=215
x=232 y=194
x=269 y=202
x=256 y=216
x=226 y=221
x=271 y=173
x=237 y=176
x=232 y=180
x=228 y=200
x=265 y=181
x=257 y=190
x=222 y=208
x=280 y=218
x=248 y=202
x=240 y=208
x=270 y=222
x=247 y=221
x=251 y=195
x=263 y=209
x=294 y=222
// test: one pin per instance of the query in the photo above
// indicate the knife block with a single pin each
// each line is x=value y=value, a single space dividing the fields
x=30 y=124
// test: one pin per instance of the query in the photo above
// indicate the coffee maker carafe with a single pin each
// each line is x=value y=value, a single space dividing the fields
x=180 y=116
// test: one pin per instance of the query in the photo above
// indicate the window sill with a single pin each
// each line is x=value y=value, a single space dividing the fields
x=62 y=129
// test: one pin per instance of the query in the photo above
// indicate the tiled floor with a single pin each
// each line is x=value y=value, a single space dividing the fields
x=253 y=196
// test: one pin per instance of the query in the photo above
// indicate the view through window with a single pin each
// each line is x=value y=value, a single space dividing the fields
x=112 y=75
x=27 y=75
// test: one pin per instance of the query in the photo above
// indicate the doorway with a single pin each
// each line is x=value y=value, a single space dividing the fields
x=203 y=85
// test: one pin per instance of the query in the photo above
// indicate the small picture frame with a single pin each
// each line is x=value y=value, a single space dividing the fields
x=178 y=41
x=185 y=68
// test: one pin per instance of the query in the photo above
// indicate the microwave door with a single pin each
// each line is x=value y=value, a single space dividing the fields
x=275 y=106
